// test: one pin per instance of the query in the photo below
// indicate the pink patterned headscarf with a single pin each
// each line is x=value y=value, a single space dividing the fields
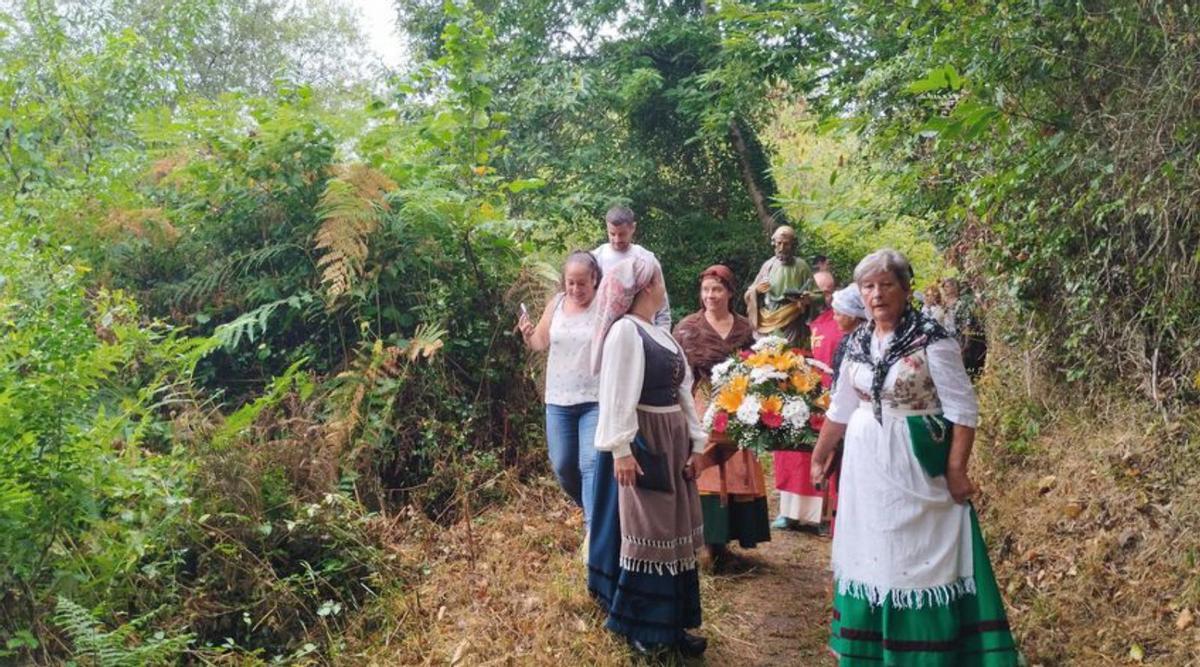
x=619 y=287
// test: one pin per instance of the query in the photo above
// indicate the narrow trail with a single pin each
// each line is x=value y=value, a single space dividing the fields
x=773 y=609
x=509 y=588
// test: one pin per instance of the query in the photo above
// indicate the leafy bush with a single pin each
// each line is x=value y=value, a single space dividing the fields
x=86 y=498
x=1054 y=148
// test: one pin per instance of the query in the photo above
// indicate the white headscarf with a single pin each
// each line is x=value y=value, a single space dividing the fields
x=848 y=301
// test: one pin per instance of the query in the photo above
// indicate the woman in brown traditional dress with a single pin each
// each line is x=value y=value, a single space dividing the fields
x=733 y=494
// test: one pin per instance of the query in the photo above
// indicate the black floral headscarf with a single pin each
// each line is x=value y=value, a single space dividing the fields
x=916 y=331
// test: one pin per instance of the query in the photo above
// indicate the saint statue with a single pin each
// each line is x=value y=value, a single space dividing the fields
x=783 y=297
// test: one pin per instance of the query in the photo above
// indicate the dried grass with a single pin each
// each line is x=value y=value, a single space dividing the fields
x=1092 y=523
x=507 y=588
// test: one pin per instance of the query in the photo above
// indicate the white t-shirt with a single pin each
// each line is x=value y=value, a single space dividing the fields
x=607 y=258
x=569 y=377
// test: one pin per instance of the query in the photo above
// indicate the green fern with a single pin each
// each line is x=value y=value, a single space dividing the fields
x=122 y=647
x=208 y=280
x=250 y=325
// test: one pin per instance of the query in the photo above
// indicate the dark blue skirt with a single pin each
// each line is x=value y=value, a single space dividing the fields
x=651 y=608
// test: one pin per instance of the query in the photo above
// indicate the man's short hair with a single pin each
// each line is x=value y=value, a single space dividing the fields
x=619 y=216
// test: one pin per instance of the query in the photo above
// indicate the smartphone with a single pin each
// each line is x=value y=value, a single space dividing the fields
x=524 y=311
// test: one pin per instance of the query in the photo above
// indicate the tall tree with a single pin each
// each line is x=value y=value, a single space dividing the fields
x=640 y=101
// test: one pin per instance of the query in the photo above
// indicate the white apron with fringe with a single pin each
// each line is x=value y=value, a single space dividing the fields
x=899 y=530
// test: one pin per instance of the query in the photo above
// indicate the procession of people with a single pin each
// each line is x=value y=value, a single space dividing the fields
x=665 y=493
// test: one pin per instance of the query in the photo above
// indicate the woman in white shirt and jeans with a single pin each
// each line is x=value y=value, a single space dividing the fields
x=566 y=329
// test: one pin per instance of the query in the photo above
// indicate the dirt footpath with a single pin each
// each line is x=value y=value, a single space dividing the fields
x=774 y=610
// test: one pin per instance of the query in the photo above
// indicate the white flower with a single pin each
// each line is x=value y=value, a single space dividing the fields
x=720 y=371
x=763 y=374
x=768 y=341
x=709 y=415
x=795 y=412
x=747 y=412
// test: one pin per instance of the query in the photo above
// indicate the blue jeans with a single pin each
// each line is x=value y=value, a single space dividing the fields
x=570 y=437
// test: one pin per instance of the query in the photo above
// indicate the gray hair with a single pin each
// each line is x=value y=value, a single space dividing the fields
x=885 y=260
x=619 y=216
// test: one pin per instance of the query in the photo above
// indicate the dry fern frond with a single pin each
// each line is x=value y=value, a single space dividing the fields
x=349 y=210
x=164 y=167
x=141 y=223
x=426 y=341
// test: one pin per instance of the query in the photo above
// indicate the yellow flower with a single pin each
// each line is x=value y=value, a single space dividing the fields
x=822 y=402
x=784 y=362
x=758 y=359
x=730 y=400
x=805 y=382
x=739 y=383
x=772 y=404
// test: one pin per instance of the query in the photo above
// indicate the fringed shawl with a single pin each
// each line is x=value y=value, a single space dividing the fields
x=916 y=331
x=704 y=346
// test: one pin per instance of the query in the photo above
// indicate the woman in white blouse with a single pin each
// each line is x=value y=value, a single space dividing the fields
x=913 y=584
x=646 y=526
x=566 y=328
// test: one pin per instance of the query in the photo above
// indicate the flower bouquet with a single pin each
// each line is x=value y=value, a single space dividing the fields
x=768 y=397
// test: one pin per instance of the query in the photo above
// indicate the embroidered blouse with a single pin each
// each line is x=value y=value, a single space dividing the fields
x=904 y=388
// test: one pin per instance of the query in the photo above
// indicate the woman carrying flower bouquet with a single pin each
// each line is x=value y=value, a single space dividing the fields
x=733 y=496
x=646 y=528
x=912 y=581
x=566 y=328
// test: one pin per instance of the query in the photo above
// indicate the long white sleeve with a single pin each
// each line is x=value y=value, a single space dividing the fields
x=954 y=389
x=621 y=374
x=688 y=402
x=844 y=400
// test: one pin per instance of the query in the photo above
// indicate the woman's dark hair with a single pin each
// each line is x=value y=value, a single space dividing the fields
x=587 y=259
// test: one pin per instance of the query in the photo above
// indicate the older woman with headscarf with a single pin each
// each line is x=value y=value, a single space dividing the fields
x=733 y=494
x=646 y=521
x=912 y=581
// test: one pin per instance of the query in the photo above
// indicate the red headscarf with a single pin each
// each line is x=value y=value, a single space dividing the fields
x=723 y=274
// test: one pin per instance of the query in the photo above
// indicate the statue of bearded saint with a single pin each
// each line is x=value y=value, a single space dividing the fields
x=783 y=298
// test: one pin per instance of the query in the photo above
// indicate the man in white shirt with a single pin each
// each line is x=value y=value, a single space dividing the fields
x=621 y=225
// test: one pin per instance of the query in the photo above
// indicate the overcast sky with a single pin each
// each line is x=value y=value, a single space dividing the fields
x=379 y=24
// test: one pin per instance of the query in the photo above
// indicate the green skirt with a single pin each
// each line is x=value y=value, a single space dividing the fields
x=970 y=631
x=747 y=522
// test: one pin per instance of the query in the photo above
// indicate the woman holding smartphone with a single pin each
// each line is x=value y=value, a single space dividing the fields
x=565 y=329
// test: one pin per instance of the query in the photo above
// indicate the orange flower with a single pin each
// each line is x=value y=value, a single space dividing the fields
x=772 y=404
x=731 y=395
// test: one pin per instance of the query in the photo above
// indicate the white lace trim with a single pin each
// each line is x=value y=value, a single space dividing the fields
x=907 y=598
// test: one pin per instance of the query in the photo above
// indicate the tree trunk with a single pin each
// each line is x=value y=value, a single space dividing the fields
x=749 y=178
